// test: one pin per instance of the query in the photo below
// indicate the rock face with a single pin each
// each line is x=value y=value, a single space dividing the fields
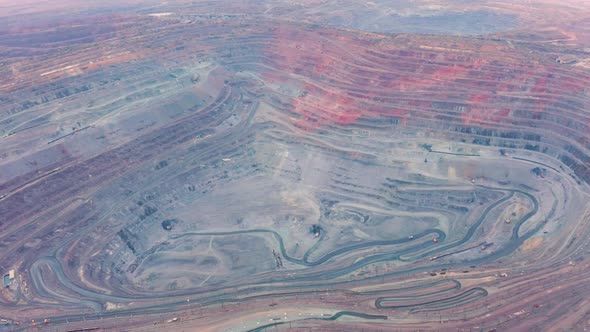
x=329 y=165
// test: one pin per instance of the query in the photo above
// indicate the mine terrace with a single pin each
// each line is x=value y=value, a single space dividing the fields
x=221 y=166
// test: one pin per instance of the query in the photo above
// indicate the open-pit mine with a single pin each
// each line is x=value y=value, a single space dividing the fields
x=274 y=165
